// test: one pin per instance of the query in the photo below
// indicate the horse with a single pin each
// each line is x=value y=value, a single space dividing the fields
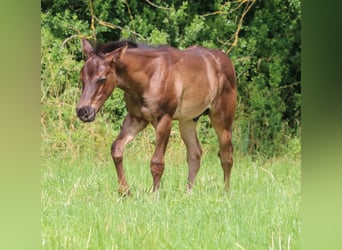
x=162 y=84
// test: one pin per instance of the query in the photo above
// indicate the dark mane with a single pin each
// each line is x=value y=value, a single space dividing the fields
x=113 y=45
x=103 y=48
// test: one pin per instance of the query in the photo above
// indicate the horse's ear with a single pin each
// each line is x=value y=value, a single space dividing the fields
x=122 y=51
x=116 y=54
x=87 y=48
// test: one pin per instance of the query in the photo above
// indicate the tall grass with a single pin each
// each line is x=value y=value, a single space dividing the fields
x=82 y=210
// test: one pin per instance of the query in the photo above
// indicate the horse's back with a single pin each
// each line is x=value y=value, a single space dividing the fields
x=221 y=59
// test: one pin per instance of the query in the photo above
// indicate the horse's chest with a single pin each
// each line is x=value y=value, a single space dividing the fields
x=146 y=113
x=152 y=104
x=141 y=109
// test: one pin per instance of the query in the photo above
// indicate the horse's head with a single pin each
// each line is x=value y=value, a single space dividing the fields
x=98 y=78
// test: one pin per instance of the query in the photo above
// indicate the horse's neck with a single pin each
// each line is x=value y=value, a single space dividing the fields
x=134 y=76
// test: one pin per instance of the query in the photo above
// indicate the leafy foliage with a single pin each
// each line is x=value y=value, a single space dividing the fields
x=266 y=57
x=269 y=53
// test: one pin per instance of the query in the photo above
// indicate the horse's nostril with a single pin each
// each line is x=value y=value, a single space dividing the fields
x=81 y=112
x=86 y=113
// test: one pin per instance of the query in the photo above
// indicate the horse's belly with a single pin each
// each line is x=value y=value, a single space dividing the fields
x=194 y=100
x=187 y=111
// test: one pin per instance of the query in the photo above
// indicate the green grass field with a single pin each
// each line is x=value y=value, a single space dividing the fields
x=82 y=210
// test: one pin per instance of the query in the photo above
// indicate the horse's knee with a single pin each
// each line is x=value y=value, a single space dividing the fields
x=194 y=154
x=117 y=152
x=157 y=166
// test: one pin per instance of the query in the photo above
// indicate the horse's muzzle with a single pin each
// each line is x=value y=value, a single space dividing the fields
x=86 y=113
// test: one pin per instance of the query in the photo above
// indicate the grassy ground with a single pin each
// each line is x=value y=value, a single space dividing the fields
x=82 y=210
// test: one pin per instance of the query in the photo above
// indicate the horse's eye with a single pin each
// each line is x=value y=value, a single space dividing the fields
x=101 y=80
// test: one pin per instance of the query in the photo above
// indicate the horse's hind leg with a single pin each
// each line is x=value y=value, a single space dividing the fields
x=226 y=154
x=222 y=118
x=194 y=151
x=131 y=127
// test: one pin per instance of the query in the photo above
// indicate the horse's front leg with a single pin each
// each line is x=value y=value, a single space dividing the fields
x=130 y=128
x=163 y=129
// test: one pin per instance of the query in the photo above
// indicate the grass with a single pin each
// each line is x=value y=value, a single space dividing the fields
x=82 y=210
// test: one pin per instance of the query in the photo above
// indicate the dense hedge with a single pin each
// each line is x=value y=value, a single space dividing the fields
x=261 y=36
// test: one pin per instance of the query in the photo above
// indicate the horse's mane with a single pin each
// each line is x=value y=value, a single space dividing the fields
x=103 y=48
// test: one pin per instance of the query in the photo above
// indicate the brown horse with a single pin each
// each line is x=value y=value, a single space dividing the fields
x=161 y=85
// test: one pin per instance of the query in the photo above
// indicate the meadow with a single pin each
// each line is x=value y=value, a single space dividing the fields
x=81 y=208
